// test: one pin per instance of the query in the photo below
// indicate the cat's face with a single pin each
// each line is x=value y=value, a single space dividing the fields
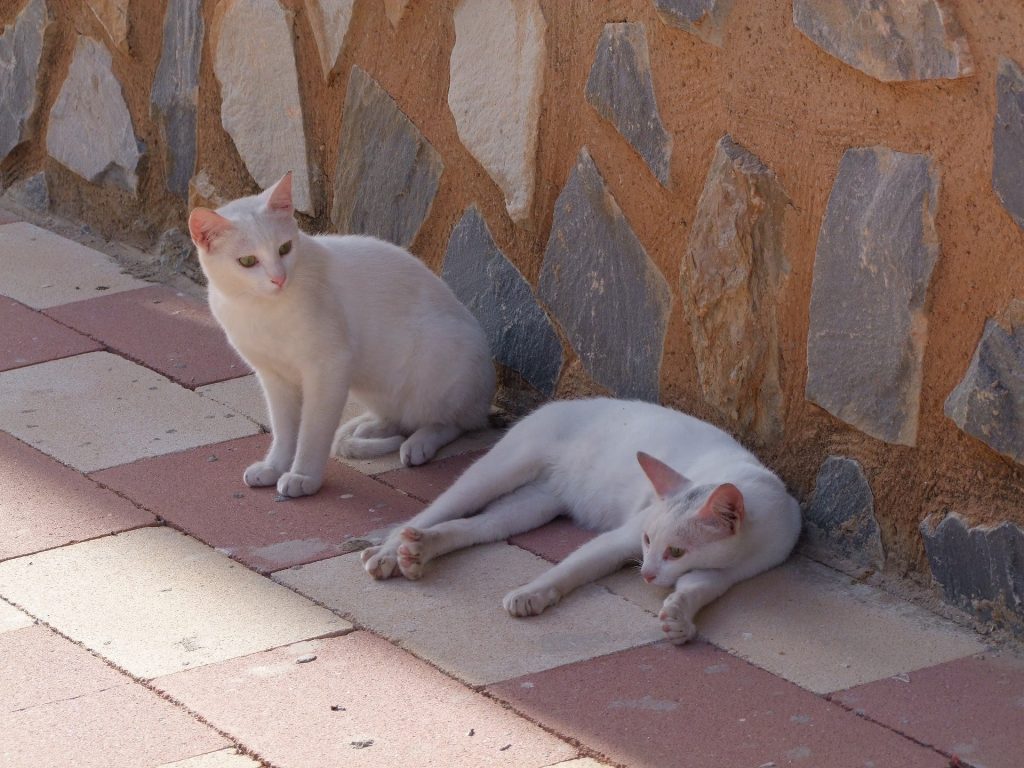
x=687 y=525
x=248 y=247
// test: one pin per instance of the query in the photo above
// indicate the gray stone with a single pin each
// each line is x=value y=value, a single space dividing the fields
x=989 y=402
x=839 y=521
x=32 y=193
x=1008 y=140
x=704 y=18
x=90 y=129
x=621 y=89
x=21 y=45
x=889 y=39
x=175 y=90
x=519 y=333
x=388 y=172
x=603 y=287
x=868 y=321
x=731 y=275
x=260 y=107
x=980 y=569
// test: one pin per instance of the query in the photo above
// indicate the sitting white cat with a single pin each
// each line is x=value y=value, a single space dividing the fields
x=702 y=516
x=320 y=318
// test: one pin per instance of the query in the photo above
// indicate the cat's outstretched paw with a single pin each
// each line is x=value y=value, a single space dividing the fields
x=675 y=623
x=380 y=562
x=530 y=601
x=293 y=485
x=261 y=474
x=416 y=550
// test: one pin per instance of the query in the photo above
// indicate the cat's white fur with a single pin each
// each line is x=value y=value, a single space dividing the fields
x=336 y=316
x=704 y=495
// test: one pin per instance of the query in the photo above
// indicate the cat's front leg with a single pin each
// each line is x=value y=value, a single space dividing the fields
x=693 y=591
x=284 y=401
x=324 y=392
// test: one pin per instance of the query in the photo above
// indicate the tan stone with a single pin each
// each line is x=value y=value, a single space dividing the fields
x=330 y=20
x=394 y=10
x=497 y=77
x=113 y=15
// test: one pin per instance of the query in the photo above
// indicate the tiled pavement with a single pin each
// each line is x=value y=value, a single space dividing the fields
x=156 y=612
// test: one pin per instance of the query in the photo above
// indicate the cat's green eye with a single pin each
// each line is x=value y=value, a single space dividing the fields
x=674 y=553
x=247 y=261
x=285 y=248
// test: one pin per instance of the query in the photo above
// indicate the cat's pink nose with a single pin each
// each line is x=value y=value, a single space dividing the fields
x=647 y=577
x=279 y=281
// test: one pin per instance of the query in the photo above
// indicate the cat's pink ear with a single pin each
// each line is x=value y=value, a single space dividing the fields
x=280 y=200
x=723 y=510
x=205 y=226
x=666 y=481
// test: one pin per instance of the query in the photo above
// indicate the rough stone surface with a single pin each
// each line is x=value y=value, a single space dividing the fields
x=395 y=9
x=979 y=569
x=1008 y=140
x=604 y=289
x=21 y=46
x=731 y=275
x=113 y=15
x=155 y=601
x=518 y=331
x=868 y=321
x=330 y=20
x=387 y=172
x=497 y=78
x=840 y=520
x=989 y=402
x=202 y=192
x=889 y=39
x=621 y=89
x=704 y=18
x=32 y=193
x=175 y=90
x=260 y=108
x=90 y=130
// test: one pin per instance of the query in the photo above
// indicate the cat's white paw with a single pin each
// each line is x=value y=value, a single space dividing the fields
x=380 y=562
x=676 y=621
x=261 y=474
x=293 y=485
x=414 y=552
x=529 y=601
x=415 y=452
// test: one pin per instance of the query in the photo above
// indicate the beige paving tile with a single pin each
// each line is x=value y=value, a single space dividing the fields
x=454 y=618
x=244 y=395
x=42 y=269
x=817 y=628
x=99 y=410
x=583 y=762
x=223 y=758
x=155 y=601
x=11 y=618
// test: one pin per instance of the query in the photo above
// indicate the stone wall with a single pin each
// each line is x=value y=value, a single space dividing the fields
x=800 y=219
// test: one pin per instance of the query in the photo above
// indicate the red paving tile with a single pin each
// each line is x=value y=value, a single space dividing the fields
x=973 y=708
x=662 y=705
x=30 y=337
x=161 y=329
x=555 y=540
x=46 y=504
x=360 y=702
x=57 y=700
x=202 y=492
x=429 y=481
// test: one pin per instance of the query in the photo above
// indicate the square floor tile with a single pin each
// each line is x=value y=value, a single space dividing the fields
x=816 y=627
x=665 y=705
x=155 y=601
x=360 y=702
x=222 y=758
x=453 y=616
x=47 y=505
x=11 y=618
x=554 y=541
x=42 y=269
x=972 y=708
x=161 y=328
x=243 y=395
x=428 y=481
x=251 y=524
x=30 y=337
x=98 y=410
x=58 y=700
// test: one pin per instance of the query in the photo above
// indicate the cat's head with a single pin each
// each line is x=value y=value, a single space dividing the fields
x=248 y=247
x=689 y=525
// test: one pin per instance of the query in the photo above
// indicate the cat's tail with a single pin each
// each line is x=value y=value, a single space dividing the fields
x=367 y=447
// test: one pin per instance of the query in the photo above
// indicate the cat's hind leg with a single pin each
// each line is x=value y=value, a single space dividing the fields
x=522 y=510
x=423 y=444
x=598 y=557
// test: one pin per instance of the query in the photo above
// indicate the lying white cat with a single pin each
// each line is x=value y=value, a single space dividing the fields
x=321 y=317
x=703 y=515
